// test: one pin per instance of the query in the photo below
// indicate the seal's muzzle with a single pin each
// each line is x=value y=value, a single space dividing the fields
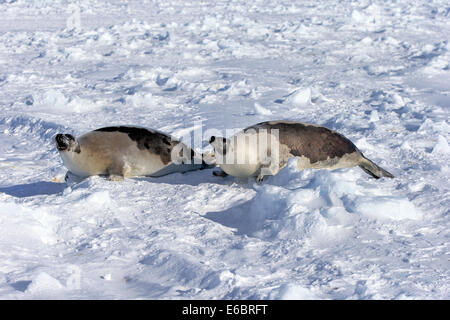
x=64 y=141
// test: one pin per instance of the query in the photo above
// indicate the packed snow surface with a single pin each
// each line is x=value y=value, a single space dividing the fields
x=376 y=71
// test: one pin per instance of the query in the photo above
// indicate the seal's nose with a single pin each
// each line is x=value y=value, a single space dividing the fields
x=212 y=139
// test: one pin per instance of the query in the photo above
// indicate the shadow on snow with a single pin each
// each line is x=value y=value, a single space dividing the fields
x=34 y=189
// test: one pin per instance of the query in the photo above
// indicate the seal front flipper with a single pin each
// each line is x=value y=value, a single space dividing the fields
x=260 y=178
x=115 y=177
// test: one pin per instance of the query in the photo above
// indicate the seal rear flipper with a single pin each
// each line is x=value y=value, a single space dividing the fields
x=374 y=170
x=176 y=168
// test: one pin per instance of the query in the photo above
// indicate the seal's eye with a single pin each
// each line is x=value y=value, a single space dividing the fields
x=212 y=139
x=71 y=137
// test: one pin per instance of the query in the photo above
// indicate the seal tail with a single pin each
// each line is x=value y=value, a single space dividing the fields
x=372 y=169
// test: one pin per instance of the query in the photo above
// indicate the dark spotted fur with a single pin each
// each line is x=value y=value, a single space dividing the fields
x=151 y=140
x=147 y=140
x=314 y=142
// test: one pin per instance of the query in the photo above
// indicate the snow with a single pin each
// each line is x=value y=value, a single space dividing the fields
x=441 y=147
x=43 y=284
x=261 y=110
x=293 y=292
x=301 y=97
x=376 y=71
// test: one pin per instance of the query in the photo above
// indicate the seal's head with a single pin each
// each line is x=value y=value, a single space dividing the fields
x=234 y=156
x=220 y=145
x=66 y=142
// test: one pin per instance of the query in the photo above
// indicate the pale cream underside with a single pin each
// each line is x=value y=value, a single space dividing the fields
x=111 y=153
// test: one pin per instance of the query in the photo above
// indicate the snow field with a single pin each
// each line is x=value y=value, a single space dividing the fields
x=375 y=71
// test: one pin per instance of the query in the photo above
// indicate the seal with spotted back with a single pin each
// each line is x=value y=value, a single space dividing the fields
x=315 y=146
x=125 y=151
